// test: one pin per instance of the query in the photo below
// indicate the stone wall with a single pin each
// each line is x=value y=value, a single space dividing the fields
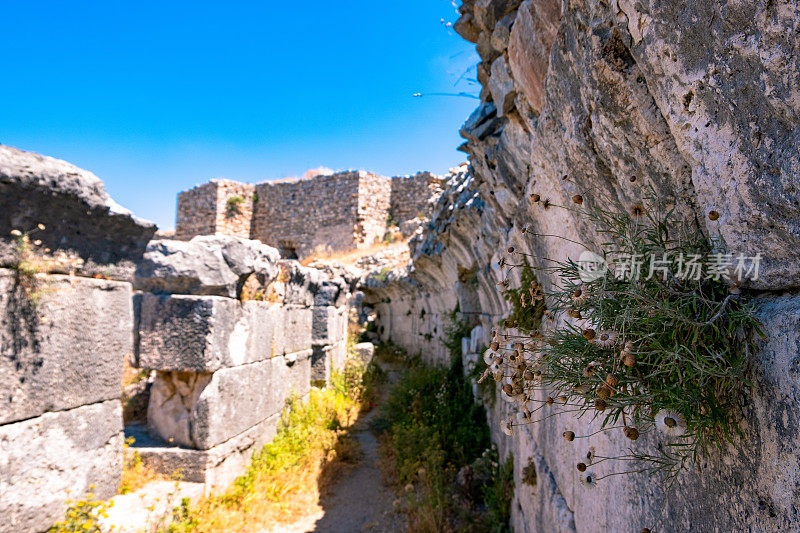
x=225 y=364
x=219 y=207
x=413 y=196
x=305 y=216
x=62 y=337
x=611 y=100
x=322 y=215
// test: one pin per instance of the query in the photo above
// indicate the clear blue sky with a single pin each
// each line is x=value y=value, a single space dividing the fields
x=155 y=97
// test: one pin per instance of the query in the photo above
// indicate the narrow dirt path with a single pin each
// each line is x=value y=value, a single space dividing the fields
x=357 y=501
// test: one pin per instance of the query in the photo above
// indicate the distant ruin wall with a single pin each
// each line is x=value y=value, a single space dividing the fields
x=413 y=196
x=219 y=207
x=373 y=208
x=300 y=217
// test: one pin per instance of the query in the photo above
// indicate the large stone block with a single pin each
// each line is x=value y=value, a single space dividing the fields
x=79 y=217
x=205 y=333
x=206 y=265
x=66 y=349
x=217 y=467
x=202 y=410
x=327 y=358
x=296 y=333
x=329 y=324
x=49 y=459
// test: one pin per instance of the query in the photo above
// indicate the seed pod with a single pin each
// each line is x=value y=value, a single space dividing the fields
x=612 y=380
x=604 y=392
x=600 y=405
x=535 y=198
x=578 y=199
x=713 y=215
x=549 y=400
x=511 y=249
x=562 y=399
x=569 y=435
x=631 y=432
x=508 y=389
x=527 y=375
x=581 y=467
x=628 y=359
x=589 y=334
x=574 y=313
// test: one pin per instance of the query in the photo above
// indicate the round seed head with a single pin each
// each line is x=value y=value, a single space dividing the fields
x=581 y=467
x=535 y=198
x=589 y=334
x=631 y=432
x=612 y=380
x=713 y=215
x=578 y=199
x=628 y=359
x=569 y=435
x=600 y=405
x=604 y=392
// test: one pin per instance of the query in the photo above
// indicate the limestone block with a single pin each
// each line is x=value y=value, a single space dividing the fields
x=364 y=351
x=79 y=217
x=217 y=467
x=205 y=333
x=502 y=86
x=150 y=507
x=45 y=457
x=64 y=351
x=202 y=410
x=206 y=265
x=329 y=324
x=295 y=336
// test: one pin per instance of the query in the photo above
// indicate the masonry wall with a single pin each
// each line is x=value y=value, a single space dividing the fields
x=63 y=337
x=373 y=208
x=413 y=196
x=307 y=216
x=219 y=207
x=225 y=366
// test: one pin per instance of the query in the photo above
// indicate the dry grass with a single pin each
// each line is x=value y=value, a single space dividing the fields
x=135 y=474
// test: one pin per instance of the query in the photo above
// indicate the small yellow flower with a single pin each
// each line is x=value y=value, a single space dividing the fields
x=16 y=233
x=40 y=226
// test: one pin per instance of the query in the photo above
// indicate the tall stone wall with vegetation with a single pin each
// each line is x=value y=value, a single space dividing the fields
x=219 y=207
x=67 y=253
x=598 y=104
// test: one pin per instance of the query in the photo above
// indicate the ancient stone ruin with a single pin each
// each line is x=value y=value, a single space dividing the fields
x=335 y=213
x=696 y=103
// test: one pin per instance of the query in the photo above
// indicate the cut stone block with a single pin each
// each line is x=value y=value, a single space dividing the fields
x=202 y=410
x=205 y=333
x=364 y=351
x=43 y=458
x=296 y=333
x=65 y=350
x=150 y=507
x=329 y=324
x=217 y=467
x=327 y=358
x=206 y=265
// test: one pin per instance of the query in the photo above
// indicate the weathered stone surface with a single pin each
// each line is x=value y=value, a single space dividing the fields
x=206 y=333
x=216 y=467
x=65 y=350
x=529 y=47
x=364 y=351
x=86 y=222
x=203 y=410
x=206 y=265
x=295 y=335
x=689 y=102
x=49 y=459
x=329 y=324
x=150 y=507
x=501 y=86
x=325 y=359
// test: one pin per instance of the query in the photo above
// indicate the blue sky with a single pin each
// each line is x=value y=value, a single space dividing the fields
x=156 y=97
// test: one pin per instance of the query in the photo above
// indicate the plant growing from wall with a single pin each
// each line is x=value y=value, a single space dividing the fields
x=640 y=346
x=233 y=206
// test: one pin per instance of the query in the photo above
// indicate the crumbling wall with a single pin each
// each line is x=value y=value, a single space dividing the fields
x=695 y=103
x=414 y=196
x=232 y=332
x=62 y=337
x=219 y=207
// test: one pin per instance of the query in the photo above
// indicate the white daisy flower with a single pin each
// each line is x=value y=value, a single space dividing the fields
x=589 y=480
x=606 y=339
x=488 y=356
x=670 y=423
